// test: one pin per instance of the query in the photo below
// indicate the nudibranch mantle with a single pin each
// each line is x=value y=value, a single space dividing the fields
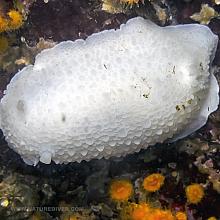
x=112 y=94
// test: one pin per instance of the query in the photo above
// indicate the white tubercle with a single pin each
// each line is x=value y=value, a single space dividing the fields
x=112 y=94
x=45 y=157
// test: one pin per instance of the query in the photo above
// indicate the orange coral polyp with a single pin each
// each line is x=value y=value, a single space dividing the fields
x=181 y=216
x=153 y=182
x=140 y=211
x=212 y=218
x=130 y=2
x=16 y=19
x=159 y=214
x=3 y=24
x=194 y=193
x=121 y=190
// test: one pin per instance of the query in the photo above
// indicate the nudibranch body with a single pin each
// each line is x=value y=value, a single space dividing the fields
x=112 y=94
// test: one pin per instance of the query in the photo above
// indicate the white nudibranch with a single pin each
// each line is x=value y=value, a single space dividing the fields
x=112 y=94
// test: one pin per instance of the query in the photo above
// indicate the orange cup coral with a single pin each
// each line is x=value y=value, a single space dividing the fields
x=212 y=218
x=16 y=19
x=3 y=24
x=130 y=2
x=159 y=214
x=153 y=182
x=181 y=216
x=194 y=193
x=140 y=211
x=121 y=190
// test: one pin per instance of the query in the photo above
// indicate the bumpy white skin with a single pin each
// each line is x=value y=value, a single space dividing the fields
x=112 y=94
